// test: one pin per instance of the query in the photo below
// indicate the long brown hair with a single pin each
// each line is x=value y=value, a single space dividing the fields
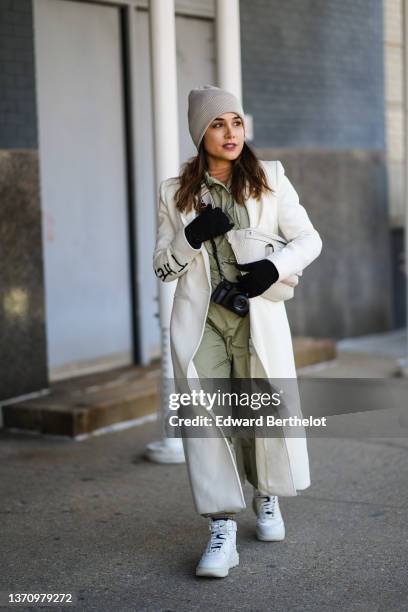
x=247 y=179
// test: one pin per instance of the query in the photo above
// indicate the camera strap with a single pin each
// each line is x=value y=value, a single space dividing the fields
x=205 y=193
x=217 y=261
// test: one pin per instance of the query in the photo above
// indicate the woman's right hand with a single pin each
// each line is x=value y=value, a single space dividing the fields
x=208 y=224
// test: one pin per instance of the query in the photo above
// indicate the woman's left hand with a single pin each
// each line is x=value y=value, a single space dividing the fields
x=261 y=275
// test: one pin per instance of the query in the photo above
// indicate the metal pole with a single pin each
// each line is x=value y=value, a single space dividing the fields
x=404 y=362
x=228 y=40
x=166 y=155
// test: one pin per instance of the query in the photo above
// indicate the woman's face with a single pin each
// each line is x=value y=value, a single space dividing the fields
x=223 y=130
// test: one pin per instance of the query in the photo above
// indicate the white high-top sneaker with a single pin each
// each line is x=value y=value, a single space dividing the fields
x=221 y=552
x=269 y=522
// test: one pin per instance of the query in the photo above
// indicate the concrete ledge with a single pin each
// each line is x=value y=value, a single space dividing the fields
x=309 y=351
x=82 y=405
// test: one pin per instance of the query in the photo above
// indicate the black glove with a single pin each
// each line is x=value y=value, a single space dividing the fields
x=209 y=223
x=261 y=275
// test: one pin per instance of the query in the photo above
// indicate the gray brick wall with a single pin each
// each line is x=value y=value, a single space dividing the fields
x=18 y=123
x=313 y=72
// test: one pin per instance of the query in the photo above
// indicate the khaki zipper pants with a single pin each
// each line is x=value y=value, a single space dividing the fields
x=224 y=353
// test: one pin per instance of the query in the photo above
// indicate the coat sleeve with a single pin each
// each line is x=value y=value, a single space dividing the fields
x=304 y=242
x=173 y=253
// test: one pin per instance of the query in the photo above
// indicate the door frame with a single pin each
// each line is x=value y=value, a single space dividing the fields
x=128 y=50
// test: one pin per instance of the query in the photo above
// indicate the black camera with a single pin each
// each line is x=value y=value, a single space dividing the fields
x=226 y=294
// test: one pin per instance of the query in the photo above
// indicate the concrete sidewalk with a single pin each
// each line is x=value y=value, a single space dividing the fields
x=95 y=519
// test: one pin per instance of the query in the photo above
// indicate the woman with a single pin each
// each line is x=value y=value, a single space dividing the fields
x=213 y=337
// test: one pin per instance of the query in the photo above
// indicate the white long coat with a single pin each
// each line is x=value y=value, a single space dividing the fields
x=282 y=462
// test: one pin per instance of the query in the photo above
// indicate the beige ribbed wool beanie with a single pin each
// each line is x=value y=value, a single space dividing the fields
x=204 y=104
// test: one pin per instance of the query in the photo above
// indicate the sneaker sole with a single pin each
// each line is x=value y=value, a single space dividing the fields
x=163 y=457
x=265 y=537
x=217 y=572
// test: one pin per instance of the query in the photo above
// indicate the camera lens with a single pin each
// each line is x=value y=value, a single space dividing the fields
x=241 y=304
